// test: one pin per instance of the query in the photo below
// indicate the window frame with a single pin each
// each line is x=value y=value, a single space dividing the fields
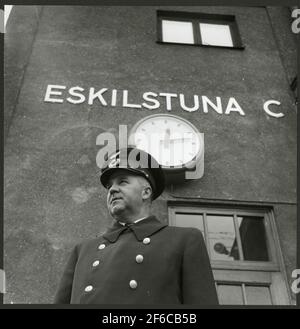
x=244 y=272
x=196 y=19
x=271 y=279
x=270 y=265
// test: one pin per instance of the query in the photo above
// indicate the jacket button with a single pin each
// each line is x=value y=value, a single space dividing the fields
x=88 y=288
x=102 y=246
x=139 y=259
x=146 y=241
x=133 y=284
x=96 y=263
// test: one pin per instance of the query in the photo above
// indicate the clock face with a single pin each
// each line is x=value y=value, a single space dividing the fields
x=171 y=140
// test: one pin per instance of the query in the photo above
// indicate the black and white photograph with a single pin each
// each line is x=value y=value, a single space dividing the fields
x=150 y=155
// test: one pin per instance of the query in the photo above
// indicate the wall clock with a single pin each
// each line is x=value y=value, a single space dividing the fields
x=174 y=142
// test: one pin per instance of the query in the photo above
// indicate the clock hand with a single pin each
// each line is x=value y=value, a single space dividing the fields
x=174 y=140
x=167 y=138
x=179 y=139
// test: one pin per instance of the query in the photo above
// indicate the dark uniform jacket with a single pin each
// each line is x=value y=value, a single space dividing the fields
x=146 y=263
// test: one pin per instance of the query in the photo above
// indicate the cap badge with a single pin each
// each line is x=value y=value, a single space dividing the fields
x=114 y=163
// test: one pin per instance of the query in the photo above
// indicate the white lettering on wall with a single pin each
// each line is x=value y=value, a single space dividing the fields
x=189 y=109
x=155 y=102
x=206 y=101
x=80 y=98
x=125 y=101
x=50 y=92
x=114 y=97
x=233 y=106
x=98 y=95
x=269 y=112
x=152 y=100
x=168 y=99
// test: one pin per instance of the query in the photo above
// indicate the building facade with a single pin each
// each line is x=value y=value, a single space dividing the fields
x=73 y=73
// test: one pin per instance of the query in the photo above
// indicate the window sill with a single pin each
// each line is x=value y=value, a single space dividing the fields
x=199 y=45
x=245 y=265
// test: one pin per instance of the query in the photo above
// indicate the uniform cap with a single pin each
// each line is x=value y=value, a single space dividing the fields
x=138 y=162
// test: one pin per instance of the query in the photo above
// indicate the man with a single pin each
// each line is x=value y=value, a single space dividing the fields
x=138 y=260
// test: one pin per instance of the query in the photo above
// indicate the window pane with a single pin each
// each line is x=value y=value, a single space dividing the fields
x=222 y=238
x=190 y=220
x=258 y=295
x=216 y=35
x=176 y=31
x=230 y=294
x=253 y=237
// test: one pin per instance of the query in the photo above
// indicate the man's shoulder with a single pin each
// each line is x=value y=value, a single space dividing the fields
x=182 y=236
x=185 y=231
x=88 y=243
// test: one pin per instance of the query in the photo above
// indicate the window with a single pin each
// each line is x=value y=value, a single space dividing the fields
x=243 y=249
x=198 y=29
x=177 y=32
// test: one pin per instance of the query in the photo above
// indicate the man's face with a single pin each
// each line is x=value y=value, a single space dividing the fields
x=124 y=197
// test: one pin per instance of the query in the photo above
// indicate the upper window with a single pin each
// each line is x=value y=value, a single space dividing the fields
x=198 y=29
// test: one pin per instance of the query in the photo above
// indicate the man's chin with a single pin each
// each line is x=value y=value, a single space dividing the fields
x=116 y=210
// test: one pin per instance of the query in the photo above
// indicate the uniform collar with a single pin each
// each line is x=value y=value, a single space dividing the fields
x=141 y=229
x=136 y=221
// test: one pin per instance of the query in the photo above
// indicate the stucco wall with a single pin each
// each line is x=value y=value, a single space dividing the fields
x=21 y=29
x=52 y=195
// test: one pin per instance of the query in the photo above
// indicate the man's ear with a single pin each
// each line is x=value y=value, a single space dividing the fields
x=147 y=192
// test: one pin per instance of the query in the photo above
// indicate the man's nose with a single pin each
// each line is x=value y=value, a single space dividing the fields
x=114 y=188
